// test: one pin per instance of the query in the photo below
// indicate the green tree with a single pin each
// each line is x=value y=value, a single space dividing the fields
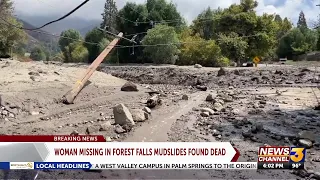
x=318 y=41
x=79 y=52
x=204 y=52
x=109 y=16
x=302 y=22
x=297 y=42
x=9 y=36
x=38 y=54
x=203 y=25
x=66 y=38
x=233 y=47
x=94 y=36
x=161 y=54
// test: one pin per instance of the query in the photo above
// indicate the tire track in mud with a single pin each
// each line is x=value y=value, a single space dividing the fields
x=157 y=129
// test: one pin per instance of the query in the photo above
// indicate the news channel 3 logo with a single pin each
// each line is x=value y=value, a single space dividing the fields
x=297 y=157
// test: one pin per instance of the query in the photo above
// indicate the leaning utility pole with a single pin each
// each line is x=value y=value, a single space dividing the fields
x=69 y=97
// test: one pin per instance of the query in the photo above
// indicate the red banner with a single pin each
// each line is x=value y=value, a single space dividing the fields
x=52 y=138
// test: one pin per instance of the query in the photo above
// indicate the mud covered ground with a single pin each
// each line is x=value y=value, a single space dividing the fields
x=252 y=107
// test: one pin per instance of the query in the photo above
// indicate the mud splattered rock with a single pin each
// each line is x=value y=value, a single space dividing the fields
x=222 y=72
x=34 y=73
x=122 y=115
x=138 y=115
x=197 y=66
x=147 y=110
x=74 y=133
x=210 y=111
x=118 y=129
x=129 y=86
x=202 y=88
x=34 y=113
x=217 y=106
x=105 y=126
x=92 y=129
x=209 y=97
x=307 y=135
x=185 y=97
x=236 y=72
x=205 y=114
x=305 y=143
x=246 y=134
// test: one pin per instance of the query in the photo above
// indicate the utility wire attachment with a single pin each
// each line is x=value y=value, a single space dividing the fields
x=117 y=35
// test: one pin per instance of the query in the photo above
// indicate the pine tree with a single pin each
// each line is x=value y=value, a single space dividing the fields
x=302 y=22
x=109 y=16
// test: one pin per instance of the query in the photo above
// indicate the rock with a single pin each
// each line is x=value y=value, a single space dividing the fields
x=101 y=114
x=74 y=133
x=263 y=102
x=197 y=66
x=4 y=112
x=147 y=110
x=222 y=72
x=236 y=72
x=210 y=111
x=34 y=73
x=289 y=82
x=305 y=70
x=215 y=132
x=209 y=97
x=34 y=113
x=219 y=136
x=307 y=135
x=92 y=129
x=217 y=106
x=6 y=119
x=138 y=115
x=202 y=88
x=118 y=129
x=205 y=114
x=246 y=134
x=235 y=111
x=11 y=115
x=154 y=101
x=105 y=126
x=305 y=143
x=108 y=139
x=316 y=175
x=122 y=115
x=185 y=97
x=278 y=72
x=129 y=86
x=33 y=78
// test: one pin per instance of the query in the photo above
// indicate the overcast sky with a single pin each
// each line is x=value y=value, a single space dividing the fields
x=188 y=8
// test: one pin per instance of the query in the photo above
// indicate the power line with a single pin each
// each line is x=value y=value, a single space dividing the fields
x=63 y=17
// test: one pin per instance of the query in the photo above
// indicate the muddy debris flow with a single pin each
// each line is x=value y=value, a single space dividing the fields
x=249 y=107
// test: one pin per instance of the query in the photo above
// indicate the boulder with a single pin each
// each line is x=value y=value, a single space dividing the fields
x=307 y=135
x=210 y=111
x=105 y=126
x=129 y=86
x=209 y=97
x=197 y=66
x=147 y=110
x=122 y=115
x=204 y=114
x=185 y=97
x=222 y=72
x=217 y=106
x=305 y=143
x=138 y=115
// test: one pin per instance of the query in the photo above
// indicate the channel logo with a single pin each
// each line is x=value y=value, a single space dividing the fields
x=21 y=165
x=297 y=154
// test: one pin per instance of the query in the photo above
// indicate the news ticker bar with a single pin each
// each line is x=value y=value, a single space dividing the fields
x=94 y=166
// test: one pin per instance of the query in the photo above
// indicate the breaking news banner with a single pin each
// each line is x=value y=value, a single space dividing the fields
x=275 y=157
x=93 y=152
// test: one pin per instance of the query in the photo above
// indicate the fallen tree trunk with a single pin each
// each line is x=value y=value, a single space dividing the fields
x=153 y=101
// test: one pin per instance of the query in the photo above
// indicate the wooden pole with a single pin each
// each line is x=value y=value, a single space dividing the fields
x=69 y=97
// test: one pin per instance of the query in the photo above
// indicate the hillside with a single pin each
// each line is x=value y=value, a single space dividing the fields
x=40 y=37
